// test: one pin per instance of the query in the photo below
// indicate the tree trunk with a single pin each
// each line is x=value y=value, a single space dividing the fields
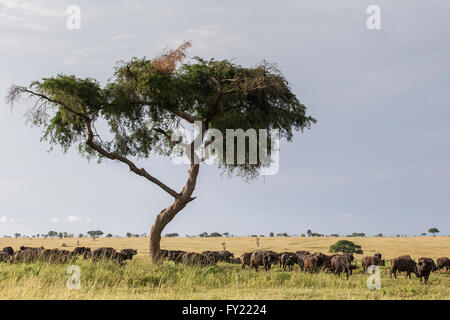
x=167 y=215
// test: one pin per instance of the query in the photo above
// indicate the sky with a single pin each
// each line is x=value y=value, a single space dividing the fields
x=377 y=161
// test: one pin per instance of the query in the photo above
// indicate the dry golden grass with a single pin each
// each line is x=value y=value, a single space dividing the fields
x=140 y=280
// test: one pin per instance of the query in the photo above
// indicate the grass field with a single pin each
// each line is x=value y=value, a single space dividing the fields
x=139 y=280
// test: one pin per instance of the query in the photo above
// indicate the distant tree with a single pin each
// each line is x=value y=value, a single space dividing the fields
x=52 y=234
x=172 y=235
x=379 y=235
x=433 y=231
x=308 y=232
x=334 y=235
x=271 y=234
x=17 y=235
x=215 y=235
x=95 y=234
x=345 y=246
x=302 y=235
x=423 y=234
x=356 y=234
x=226 y=234
x=60 y=235
x=128 y=234
x=109 y=235
x=81 y=235
x=203 y=234
x=65 y=234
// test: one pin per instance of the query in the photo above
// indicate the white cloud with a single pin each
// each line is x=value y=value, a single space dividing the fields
x=30 y=8
x=88 y=219
x=120 y=36
x=54 y=219
x=73 y=218
x=5 y=219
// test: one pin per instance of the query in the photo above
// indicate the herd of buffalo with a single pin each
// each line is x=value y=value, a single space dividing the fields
x=336 y=263
x=29 y=254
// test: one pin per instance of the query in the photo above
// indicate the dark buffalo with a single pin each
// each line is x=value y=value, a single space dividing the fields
x=8 y=250
x=430 y=261
x=103 y=253
x=259 y=258
x=79 y=251
x=225 y=256
x=311 y=263
x=211 y=258
x=301 y=258
x=4 y=256
x=323 y=261
x=235 y=260
x=263 y=258
x=372 y=261
x=288 y=259
x=245 y=259
x=272 y=258
x=403 y=264
x=442 y=263
x=175 y=255
x=194 y=258
x=27 y=254
x=424 y=267
x=341 y=263
x=128 y=253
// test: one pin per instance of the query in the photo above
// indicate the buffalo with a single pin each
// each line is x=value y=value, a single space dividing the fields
x=245 y=259
x=372 y=261
x=128 y=253
x=442 y=263
x=4 y=256
x=341 y=263
x=263 y=258
x=175 y=255
x=311 y=263
x=193 y=258
x=424 y=267
x=8 y=250
x=403 y=264
x=288 y=259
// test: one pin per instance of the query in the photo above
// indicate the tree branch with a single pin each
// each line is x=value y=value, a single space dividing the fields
x=114 y=156
x=90 y=140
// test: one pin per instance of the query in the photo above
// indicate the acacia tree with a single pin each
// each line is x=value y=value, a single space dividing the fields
x=148 y=100
x=345 y=246
x=95 y=233
x=433 y=231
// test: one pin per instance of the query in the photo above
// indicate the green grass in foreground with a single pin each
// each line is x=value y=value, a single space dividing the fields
x=139 y=280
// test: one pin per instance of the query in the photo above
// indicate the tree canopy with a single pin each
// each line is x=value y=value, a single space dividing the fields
x=433 y=230
x=147 y=99
x=346 y=246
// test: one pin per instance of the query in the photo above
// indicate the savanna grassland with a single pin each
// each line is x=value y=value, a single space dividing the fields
x=140 y=280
